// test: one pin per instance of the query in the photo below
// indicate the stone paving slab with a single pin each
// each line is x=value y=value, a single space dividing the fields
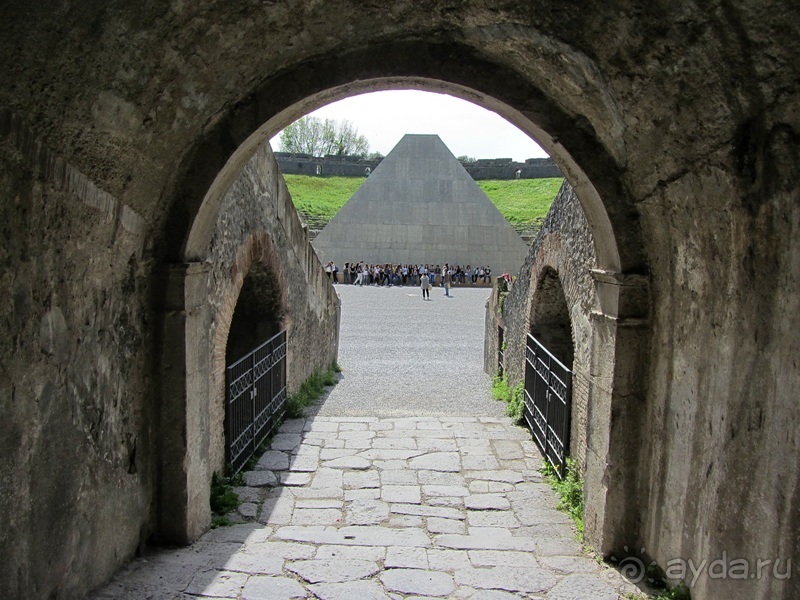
x=395 y=526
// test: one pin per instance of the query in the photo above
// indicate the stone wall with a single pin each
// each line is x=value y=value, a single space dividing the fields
x=87 y=477
x=676 y=123
x=505 y=168
x=564 y=244
x=77 y=461
x=354 y=166
x=255 y=227
x=258 y=205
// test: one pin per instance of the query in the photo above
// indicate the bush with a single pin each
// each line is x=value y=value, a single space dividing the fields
x=500 y=389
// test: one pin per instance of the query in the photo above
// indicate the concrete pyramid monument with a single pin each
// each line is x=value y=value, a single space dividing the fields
x=421 y=206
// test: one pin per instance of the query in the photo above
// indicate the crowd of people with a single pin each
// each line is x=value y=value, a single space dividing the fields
x=361 y=273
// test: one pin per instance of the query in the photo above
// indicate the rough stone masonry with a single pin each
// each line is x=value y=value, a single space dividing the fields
x=382 y=508
x=123 y=125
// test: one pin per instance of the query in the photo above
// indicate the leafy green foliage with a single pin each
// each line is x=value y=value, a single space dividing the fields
x=311 y=135
x=500 y=389
x=501 y=301
x=223 y=500
x=516 y=404
x=569 y=490
x=310 y=391
x=513 y=397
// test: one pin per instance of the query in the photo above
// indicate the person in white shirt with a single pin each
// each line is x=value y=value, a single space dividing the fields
x=425 y=284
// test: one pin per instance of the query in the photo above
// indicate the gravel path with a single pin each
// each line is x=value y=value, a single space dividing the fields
x=402 y=355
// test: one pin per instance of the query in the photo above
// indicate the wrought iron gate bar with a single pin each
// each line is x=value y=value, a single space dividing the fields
x=548 y=400
x=255 y=399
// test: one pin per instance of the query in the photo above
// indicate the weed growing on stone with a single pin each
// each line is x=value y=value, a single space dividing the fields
x=310 y=391
x=569 y=490
x=223 y=500
x=516 y=404
x=500 y=389
x=513 y=397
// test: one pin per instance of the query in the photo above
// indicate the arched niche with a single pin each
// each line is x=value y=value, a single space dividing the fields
x=550 y=318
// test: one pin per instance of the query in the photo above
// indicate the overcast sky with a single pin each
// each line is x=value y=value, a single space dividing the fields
x=465 y=128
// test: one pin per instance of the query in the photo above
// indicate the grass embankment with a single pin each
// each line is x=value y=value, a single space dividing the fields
x=523 y=202
x=318 y=199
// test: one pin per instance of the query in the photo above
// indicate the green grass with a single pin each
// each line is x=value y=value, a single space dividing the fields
x=523 y=202
x=569 y=490
x=513 y=397
x=310 y=391
x=321 y=197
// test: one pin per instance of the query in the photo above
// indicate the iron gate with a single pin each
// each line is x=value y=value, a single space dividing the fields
x=548 y=399
x=501 y=359
x=255 y=399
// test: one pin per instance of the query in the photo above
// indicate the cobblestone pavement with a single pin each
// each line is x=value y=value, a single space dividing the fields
x=362 y=508
x=406 y=482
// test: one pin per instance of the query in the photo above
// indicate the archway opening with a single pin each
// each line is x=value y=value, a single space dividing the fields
x=258 y=315
x=550 y=320
x=591 y=166
x=253 y=337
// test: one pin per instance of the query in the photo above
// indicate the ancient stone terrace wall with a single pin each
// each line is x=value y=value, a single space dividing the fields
x=324 y=166
x=564 y=244
x=505 y=168
x=354 y=166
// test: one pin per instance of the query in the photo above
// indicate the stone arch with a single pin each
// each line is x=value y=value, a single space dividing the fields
x=253 y=310
x=559 y=295
x=255 y=294
x=589 y=155
x=591 y=166
x=558 y=303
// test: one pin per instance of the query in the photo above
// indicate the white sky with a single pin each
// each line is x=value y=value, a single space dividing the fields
x=465 y=128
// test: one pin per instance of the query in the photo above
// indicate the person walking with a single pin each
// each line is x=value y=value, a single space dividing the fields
x=425 y=284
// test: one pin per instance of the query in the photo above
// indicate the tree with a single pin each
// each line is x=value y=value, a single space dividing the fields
x=310 y=135
x=466 y=159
